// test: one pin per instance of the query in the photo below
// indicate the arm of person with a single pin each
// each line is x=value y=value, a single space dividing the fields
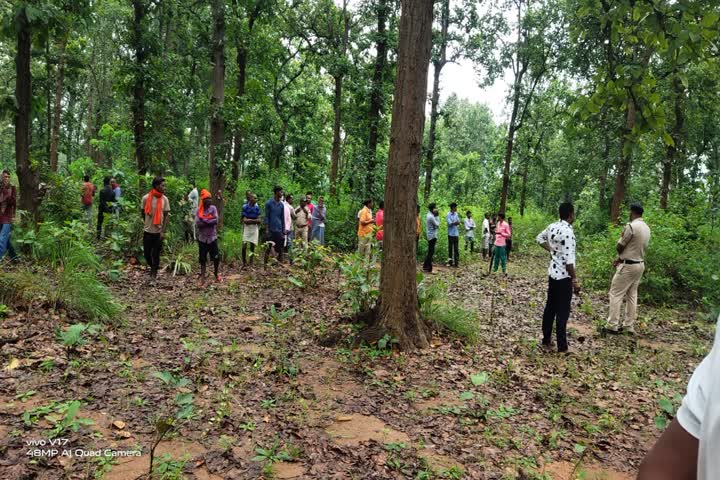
x=542 y=240
x=624 y=239
x=674 y=456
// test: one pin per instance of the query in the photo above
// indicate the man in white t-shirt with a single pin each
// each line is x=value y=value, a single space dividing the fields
x=688 y=448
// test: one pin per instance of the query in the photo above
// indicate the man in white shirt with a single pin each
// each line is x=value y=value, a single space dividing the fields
x=486 y=235
x=688 y=448
x=559 y=240
x=194 y=200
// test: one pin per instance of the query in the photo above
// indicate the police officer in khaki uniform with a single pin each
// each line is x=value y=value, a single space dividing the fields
x=629 y=267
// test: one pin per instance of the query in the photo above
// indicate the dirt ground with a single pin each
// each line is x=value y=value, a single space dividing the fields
x=257 y=395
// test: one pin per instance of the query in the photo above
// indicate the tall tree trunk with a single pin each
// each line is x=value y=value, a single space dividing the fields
x=624 y=161
x=28 y=175
x=376 y=97
x=241 y=59
x=509 y=148
x=217 y=124
x=138 y=106
x=673 y=151
x=48 y=99
x=335 y=155
x=398 y=304
x=438 y=65
x=58 y=106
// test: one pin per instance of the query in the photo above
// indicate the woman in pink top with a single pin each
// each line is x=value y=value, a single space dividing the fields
x=379 y=220
x=502 y=233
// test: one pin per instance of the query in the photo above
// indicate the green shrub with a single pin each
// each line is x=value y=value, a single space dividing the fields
x=435 y=309
x=231 y=242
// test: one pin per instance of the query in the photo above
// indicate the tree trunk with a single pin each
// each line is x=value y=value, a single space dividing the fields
x=138 y=106
x=58 y=106
x=398 y=305
x=217 y=124
x=509 y=149
x=241 y=60
x=602 y=194
x=673 y=151
x=376 y=97
x=335 y=156
x=523 y=191
x=27 y=173
x=624 y=161
x=437 y=70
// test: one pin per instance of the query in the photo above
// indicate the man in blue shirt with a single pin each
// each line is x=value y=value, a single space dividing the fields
x=275 y=224
x=453 y=221
x=432 y=223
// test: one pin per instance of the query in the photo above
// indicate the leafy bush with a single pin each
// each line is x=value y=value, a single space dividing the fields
x=361 y=281
x=677 y=265
x=231 y=242
x=435 y=309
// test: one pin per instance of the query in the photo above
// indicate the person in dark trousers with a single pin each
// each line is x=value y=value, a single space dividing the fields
x=559 y=240
x=453 y=223
x=508 y=241
x=155 y=210
x=206 y=220
x=432 y=225
x=8 y=201
x=275 y=224
x=105 y=204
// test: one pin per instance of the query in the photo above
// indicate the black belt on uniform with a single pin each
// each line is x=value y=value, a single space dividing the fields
x=631 y=262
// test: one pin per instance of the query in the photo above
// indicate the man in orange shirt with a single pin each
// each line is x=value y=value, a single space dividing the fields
x=365 y=224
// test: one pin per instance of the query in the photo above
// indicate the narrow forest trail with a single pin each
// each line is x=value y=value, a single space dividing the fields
x=265 y=396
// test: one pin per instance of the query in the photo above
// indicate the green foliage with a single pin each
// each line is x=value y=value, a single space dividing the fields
x=74 y=336
x=62 y=415
x=434 y=308
x=273 y=453
x=231 y=242
x=360 y=282
x=676 y=264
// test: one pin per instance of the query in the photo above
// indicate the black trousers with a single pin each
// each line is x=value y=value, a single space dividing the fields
x=557 y=311
x=209 y=249
x=100 y=220
x=454 y=250
x=427 y=265
x=152 y=246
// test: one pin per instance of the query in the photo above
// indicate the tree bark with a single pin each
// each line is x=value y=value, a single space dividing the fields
x=602 y=194
x=675 y=150
x=28 y=175
x=398 y=305
x=624 y=161
x=58 y=106
x=138 y=106
x=217 y=124
x=376 y=97
x=337 y=108
x=523 y=191
x=509 y=149
x=438 y=65
x=335 y=155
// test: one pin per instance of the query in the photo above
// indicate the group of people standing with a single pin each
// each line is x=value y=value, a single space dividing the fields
x=496 y=236
x=559 y=239
x=108 y=200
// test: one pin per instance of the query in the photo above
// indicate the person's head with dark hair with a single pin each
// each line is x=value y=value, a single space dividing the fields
x=5 y=177
x=106 y=181
x=289 y=198
x=86 y=178
x=567 y=212
x=431 y=207
x=308 y=197
x=321 y=200
x=278 y=192
x=468 y=214
x=453 y=207
x=636 y=210
x=158 y=184
x=501 y=216
x=368 y=203
x=382 y=204
x=487 y=215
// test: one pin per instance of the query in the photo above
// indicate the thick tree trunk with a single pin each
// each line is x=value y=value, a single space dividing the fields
x=335 y=156
x=675 y=150
x=376 y=97
x=138 y=105
x=398 y=305
x=217 y=124
x=57 y=107
x=508 y=155
x=437 y=70
x=624 y=161
x=28 y=175
x=523 y=191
